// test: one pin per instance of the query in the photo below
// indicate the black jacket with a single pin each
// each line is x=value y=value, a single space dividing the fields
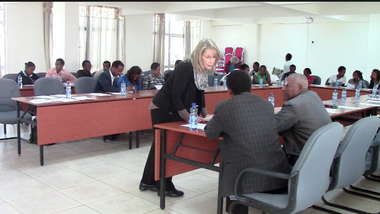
x=27 y=80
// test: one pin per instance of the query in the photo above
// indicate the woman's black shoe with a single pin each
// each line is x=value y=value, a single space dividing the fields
x=172 y=193
x=148 y=187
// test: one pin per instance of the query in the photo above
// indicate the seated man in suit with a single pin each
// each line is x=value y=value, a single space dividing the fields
x=292 y=70
x=155 y=78
x=86 y=71
x=247 y=124
x=107 y=81
x=59 y=71
x=106 y=67
x=302 y=113
x=340 y=78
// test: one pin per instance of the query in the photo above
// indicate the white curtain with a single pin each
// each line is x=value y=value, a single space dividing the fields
x=101 y=35
x=159 y=38
x=192 y=35
x=48 y=33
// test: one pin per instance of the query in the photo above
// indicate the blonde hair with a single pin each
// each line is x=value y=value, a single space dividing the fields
x=196 y=55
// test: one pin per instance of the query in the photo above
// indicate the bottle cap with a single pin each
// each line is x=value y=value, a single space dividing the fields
x=193 y=104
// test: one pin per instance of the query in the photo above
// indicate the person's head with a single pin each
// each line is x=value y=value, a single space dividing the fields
x=357 y=75
x=375 y=75
x=155 y=67
x=307 y=72
x=204 y=56
x=256 y=66
x=117 y=68
x=86 y=65
x=292 y=68
x=29 y=68
x=288 y=57
x=341 y=71
x=133 y=73
x=234 y=60
x=238 y=82
x=177 y=62
x=244 y=67
x=106 y=65
x=295 y=84
x=59 y=63
x=262 y=69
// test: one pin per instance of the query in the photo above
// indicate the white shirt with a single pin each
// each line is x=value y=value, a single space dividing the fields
x=112 y=77
x=286 y=67
x=333 y=79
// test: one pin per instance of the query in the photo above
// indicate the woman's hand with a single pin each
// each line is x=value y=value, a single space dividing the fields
x=200 y=119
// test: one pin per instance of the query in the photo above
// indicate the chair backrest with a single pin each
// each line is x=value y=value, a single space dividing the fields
x=327 y=81
x=366 y=82
x=239 y=52
x=373 y=156
x=349 y=163
x=211 y=78
x=85 y=85
x=8 y=89
x=10 y=76
x=227 y=58
x=317 y=79
x=41 y=74
x=313 y=166
x=48 y=86
x=75 y=74
x=228 y=50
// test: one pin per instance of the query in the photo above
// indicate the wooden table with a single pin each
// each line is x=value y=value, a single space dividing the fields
x=325 y=92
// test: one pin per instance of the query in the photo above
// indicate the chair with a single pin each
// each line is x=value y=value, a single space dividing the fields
x=239 y=53
x=75 y=74
x=317 y=80
x=85 y=85
x=308 y=180
x=349 y=161
x=228 y=50
x=211 y=78
x=327 y=81
x=8 y=107
x=11 y=76
x=41 y=74
x=366 y=82
x=227 y=58
x=48 y=86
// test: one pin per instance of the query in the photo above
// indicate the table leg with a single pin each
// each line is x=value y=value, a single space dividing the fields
x=41 y=155
x=220 y=198
x=162 y=169
x=18 y=128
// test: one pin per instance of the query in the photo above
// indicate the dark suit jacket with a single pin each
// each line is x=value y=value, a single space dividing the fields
x=103 y=83
x=82 y=73
x=27 y=80
x=248 y=127
x=179 y=91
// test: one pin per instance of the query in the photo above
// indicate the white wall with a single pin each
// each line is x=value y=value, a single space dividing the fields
x=138 y=41
x=24 y=36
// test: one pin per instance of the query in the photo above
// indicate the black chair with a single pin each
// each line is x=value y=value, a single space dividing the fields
x=211 y=78
x=41 y=74
x=317 y=79
x=75 y=74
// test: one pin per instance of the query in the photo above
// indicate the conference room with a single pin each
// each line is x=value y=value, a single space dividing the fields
x=80 y=173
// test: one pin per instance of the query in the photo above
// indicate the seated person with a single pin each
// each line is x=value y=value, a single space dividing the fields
x=168 y=72
x=292 y=70
x=375 y=79
x=254 y=144
x=245 y=68
x=107 y=80
x=86 y=71
x=233 y=64
x=131 y=79
x=59 y=70
x=338 y=77
x=155 y=78
x=356 y=77
x=28 y=75
x=255 y=69
x=301 y=114
x=263 y=73
x=106 y=67
x=307 y=73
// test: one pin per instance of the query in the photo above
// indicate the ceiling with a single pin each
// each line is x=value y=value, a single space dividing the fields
x=252 y=12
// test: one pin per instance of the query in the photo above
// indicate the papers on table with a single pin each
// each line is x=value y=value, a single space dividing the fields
x=201 y=126
x=208 y=118
x=332 y=110
x=158 y=86
x=348 y=107
x=82 y=98
x=99 y=94
x=350 y=86
x=57 y=98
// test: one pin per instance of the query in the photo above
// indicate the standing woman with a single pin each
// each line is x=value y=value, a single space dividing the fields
x=172 y=102
x=28 y=75
x=375 y=79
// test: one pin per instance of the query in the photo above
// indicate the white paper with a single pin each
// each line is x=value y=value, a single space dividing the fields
x=59 y=95
x=348 y=107
x=99 y=94
x=200 y=126
x=350 y=86
x=369 y=104
x=82 y=98
x=41 y=101
x=332 y=110
x=64 y=100
x=208 y=118
x=44 y=97
x=158 y=86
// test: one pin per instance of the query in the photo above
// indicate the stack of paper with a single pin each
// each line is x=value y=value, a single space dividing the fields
x=201 y=126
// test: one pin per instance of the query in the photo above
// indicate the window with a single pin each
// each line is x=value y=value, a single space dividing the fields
x=174 y=42
x=2 y=40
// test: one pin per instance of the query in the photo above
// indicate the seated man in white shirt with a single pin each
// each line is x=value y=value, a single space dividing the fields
x=338 y=77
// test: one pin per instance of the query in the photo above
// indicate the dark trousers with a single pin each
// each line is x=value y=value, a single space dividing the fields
x=158 y=116
x=243 y=209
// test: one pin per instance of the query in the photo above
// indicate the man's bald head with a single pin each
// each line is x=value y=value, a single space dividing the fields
x=295 y=84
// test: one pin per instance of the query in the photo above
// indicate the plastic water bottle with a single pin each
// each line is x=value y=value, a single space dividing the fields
x=59 y=77
x=357 y=95
x=271 y=99
x=261 y=82
x=360 y=84
x=216 y=83
x=19 y=81
x=193 y=117
x=68 y=90
x=279 y=83
x=336 y=84
x=123 y=89
x=335 y=98
x=344 y=96
x=374 y=92
x=225 y=84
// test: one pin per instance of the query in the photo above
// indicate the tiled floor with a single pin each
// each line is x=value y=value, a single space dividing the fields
x=89 y=177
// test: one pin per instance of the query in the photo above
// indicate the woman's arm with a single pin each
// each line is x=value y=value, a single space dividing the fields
x=269 y=81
